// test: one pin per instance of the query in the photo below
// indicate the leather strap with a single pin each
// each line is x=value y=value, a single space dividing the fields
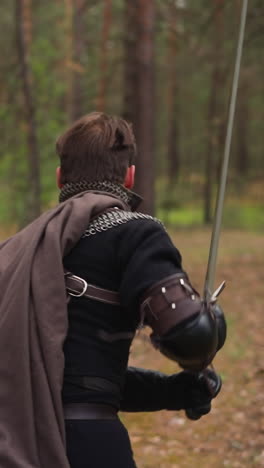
x=78 y=287
x=169 y=302
x=85 y=411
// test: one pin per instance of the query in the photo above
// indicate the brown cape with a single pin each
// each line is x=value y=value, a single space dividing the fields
x=33 y=326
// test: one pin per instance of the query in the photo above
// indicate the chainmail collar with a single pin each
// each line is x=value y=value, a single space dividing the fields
x=127 y=196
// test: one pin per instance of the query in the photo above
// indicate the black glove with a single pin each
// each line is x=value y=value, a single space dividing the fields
x=193 y=392
x=146 y=390
x=211 y=383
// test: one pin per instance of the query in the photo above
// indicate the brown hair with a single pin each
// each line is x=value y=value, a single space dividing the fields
x=96 y=147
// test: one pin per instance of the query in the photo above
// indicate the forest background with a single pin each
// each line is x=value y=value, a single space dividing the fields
x=167 y=66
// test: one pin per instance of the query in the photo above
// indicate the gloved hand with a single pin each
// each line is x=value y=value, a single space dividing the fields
x=196 y=390
x=212 y=383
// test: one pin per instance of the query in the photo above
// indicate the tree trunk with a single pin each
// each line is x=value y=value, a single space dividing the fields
x=27 y=22
x=69 y=57
x=242 y=122
x=213 y=112
x=172 y=101
x=77 y=68
x=222 y=125
x=22 y=14
x=144 y=99
x=130 y=61
x=211 y=149
x=74 y=48
x=102 y=91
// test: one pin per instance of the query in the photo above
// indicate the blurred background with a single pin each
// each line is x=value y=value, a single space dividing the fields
x=166 y=66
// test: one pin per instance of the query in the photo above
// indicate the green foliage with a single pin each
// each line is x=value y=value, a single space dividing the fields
x=195 y=31
x=181 y=205
x=236 y=216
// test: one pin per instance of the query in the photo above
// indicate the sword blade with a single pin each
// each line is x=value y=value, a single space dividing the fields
x=211 y=266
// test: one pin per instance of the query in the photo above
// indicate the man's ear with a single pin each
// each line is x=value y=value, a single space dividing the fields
x=130 y=177
x=58 y=178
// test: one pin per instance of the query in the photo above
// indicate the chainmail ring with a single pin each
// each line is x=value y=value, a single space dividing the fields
x=112 y=219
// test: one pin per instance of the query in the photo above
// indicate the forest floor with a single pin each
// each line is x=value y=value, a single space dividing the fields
x=232 y=435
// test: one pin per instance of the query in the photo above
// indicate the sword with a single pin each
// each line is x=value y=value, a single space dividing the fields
x=214 y=385
x=210 y=297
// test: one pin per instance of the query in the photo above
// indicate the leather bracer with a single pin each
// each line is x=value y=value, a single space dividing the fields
x=183 y=328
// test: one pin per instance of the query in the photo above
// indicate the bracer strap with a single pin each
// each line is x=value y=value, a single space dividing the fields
x=169 y=303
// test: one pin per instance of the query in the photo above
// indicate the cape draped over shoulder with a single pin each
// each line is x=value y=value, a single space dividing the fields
x=33 y=326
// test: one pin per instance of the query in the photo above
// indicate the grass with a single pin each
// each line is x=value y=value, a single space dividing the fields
x=236 y=215
x=232 y=434
x=182 y=205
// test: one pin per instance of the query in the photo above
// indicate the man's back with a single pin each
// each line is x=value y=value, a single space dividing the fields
x=127 y=253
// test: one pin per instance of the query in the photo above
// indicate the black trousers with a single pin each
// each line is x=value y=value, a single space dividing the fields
x=98 y=444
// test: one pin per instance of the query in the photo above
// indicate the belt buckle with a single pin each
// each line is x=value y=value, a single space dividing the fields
x=85 y=286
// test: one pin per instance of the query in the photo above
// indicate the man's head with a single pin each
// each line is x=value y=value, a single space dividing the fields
x=97 y=147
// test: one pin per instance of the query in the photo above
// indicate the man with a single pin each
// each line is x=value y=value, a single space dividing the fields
x=123 y=273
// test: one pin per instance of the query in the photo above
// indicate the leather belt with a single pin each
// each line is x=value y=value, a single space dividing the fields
x=89 y=411
x=78 y=287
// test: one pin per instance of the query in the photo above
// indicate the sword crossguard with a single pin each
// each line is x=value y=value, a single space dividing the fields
x=217 y=293
x=211 y=299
